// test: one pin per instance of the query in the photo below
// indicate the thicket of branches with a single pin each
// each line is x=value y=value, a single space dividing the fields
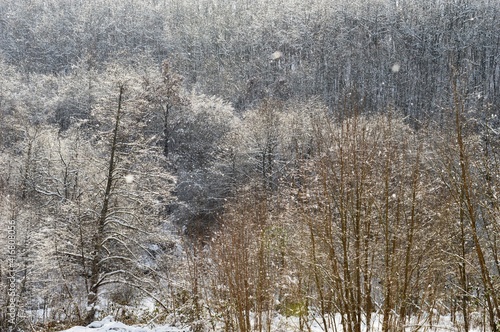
x=327 y=159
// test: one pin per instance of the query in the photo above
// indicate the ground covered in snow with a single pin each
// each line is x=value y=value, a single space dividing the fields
x=279 y=324
x=109 y=325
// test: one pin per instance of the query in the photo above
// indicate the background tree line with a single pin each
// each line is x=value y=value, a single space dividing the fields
x=330 y=159
x=284 y=49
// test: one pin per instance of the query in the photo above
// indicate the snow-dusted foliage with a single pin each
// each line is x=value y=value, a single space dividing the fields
x=250 y=165
x=89 y=203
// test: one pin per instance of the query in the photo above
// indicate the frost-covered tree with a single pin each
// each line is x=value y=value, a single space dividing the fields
x=127 y=215
x=165 y=97
x=202 y=160
x=469 y=172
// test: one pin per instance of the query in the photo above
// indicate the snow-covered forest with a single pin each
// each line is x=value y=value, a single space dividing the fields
x=224 y=165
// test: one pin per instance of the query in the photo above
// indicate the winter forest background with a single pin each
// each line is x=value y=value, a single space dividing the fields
x=214 y=163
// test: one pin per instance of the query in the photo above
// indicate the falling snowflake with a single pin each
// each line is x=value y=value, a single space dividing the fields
x=276 y=55
x=129 y=178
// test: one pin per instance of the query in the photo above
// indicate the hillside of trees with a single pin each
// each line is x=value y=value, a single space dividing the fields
x=214 y=163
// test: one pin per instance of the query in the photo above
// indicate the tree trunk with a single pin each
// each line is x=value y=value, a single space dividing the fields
x=95 y=270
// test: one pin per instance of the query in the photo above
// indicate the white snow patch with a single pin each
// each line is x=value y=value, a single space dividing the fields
x=109 y=325
x=313 y=323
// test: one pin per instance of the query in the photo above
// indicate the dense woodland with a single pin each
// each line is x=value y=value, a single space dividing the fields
x=227 y=160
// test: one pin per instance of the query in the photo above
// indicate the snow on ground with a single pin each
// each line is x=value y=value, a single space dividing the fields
x=109 y=325
x=281 y=324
